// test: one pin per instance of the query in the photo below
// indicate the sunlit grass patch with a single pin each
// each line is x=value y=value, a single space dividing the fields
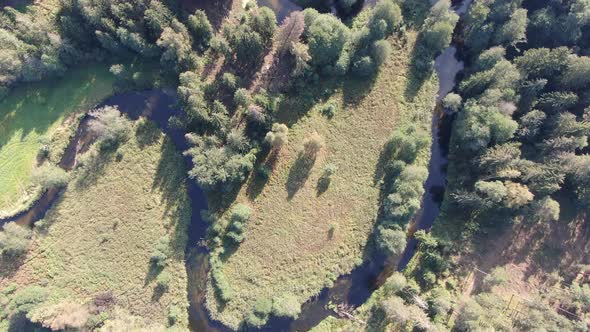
x=34 y=111
x=301 y=237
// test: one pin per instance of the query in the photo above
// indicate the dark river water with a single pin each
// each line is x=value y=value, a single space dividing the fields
x=353 y=289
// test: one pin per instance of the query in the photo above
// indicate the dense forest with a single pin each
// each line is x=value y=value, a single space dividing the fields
x=248 y=87
x=518 y=151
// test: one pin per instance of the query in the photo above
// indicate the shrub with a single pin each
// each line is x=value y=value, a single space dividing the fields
x=391 y=240
x=278 y=136
x=406 y=144
x=395 y=284
x=363 y=66
x=406 y=194
x=109 y=125
x=174 y=313
x=14 y=240
x=327 y=36
x=546 y=209
x=286 y=306
x=161 y=253
x=260 y=314
x=239 y=216
x=381 y=51
x=452 y=102
x=326 y=178
x=312 y=145
x=163 y=281
x=220 y=45
x=117 y=70
x=50 y=176
x=222 y=286
x=27 y=299
x=328 y=110
x=388 y=12
x=264 y=172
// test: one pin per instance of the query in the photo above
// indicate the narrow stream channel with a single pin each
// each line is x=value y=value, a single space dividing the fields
x=353 y=289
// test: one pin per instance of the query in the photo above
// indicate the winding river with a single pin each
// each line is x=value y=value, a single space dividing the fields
x=353 y=289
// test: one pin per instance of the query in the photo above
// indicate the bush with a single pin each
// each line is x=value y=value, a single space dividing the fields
x=395 y=284
x=222 y=287
x=326 y=178
x=388 y=12
x=260 y=314
x=25 y=300
x=406 y=194
x=363 y=66
x=50 y=176
x=65 y=316
x=14 y=240
x=174 y=313
x=329 y=110
x=392 y=241
x=327 y=36
x=286 y=306
x=381 y=51
x=161 y=253
x=109 y=125
x=239 y=216
x=452 y=102
x=278 y=136
x=312 y=145
x=264 y=172
x=163 y=281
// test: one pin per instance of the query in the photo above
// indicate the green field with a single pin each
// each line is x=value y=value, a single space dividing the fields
x=298 y=239
x=35 y=110
x=102 y=232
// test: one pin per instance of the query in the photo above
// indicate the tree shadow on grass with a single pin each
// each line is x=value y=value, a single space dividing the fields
x=94 y=165
x=169 y=180
x=356 y=89
x=146 y=133
x=298 y=174
x=384 y=158
x=259 y=178
x=152 y=273
x=421 y=68
x=158 y=292
x=19 y=322
x=9 y=265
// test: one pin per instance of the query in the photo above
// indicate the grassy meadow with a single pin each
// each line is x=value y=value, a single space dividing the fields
x=299 y=238
x=100 y=235
x=35 y=111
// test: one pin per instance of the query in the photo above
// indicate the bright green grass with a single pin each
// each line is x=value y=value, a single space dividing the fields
x=289 y=246
x=36 y=110
x=104 y=228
